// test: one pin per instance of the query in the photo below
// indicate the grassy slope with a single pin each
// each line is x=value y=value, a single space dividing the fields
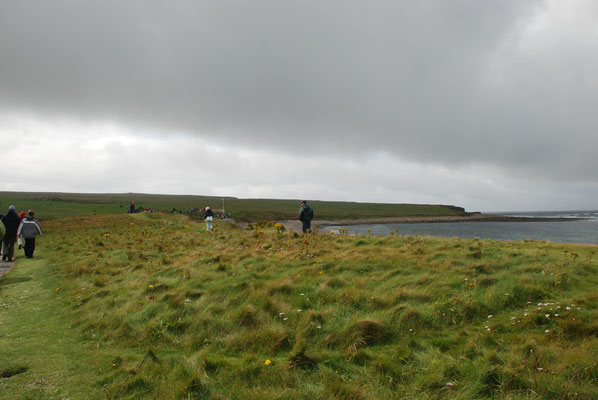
x=37 y=344
x=71 y=204
x=181 y=313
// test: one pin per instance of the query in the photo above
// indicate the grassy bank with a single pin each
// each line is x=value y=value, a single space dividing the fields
x=175 y=312
x=56 y=205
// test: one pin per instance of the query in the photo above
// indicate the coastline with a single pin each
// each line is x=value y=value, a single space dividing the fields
x=295 y=225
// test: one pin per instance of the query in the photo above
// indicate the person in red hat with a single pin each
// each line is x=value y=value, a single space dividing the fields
x=20 y=239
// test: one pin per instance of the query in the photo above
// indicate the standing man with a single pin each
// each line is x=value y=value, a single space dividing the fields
x=29 y=228
x=11 y=222
x=306 y=214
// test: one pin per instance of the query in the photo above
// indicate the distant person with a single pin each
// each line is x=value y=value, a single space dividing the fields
x=11 y=223
x=209 y=217
x=29 y=229
x=306 y=214
x=132 y=208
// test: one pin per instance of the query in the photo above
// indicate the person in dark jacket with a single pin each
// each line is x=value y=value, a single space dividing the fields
x=11 y=222
x=209 y=217
x=306 y=214
x=29 y=229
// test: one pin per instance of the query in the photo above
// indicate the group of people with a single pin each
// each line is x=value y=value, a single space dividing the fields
x=22 y=228
x=306 y=214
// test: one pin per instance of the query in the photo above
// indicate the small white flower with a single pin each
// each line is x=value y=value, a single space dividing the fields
x=568 y=308
x=490 y=316
x=547 y=330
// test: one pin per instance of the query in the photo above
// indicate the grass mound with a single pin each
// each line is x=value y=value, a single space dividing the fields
x=237 y=314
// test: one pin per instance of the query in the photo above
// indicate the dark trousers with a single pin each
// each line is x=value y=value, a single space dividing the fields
x=8 y=247
x=29 y=247
x=306 y=225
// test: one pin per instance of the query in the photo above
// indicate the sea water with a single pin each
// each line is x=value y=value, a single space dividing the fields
x=573 y=231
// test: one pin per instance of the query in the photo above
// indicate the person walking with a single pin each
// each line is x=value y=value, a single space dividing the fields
x=209 y=217
x=11 y=223
x=29 y=229
x=306 y=214
x=20 y=240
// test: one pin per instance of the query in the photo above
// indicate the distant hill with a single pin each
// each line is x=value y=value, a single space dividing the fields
x=56 y=205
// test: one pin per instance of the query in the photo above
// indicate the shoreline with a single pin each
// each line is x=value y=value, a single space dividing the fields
x=295 y=225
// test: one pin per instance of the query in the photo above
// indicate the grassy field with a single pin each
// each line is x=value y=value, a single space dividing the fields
x=52 y=205
x=153 y=307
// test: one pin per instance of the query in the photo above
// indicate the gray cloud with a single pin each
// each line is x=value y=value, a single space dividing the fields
x=508 y=84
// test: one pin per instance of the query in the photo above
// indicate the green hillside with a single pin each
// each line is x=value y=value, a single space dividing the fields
x=53 y=205
x=150 y=306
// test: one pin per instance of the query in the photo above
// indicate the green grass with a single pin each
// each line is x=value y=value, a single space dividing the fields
x=41 y=355
x=152 y=306
x=53 y=205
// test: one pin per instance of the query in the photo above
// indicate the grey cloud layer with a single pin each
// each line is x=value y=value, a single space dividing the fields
x=508 y=83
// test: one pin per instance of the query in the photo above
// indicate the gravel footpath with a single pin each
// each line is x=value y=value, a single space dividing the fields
x=5 y=267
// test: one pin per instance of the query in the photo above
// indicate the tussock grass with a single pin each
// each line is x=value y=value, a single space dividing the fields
x=240 y=314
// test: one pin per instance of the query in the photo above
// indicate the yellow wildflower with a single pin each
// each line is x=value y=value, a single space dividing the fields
x=151 y=286
x=268 y=362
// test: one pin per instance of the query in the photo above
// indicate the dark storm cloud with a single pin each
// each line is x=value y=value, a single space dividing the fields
x=508 y=83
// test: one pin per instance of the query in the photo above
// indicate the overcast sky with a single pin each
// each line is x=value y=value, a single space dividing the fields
x=489 y=105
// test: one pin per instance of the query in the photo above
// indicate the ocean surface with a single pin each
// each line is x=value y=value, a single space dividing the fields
x=574 y=231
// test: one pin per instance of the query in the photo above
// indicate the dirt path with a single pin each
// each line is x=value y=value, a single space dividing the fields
x=5 y=267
